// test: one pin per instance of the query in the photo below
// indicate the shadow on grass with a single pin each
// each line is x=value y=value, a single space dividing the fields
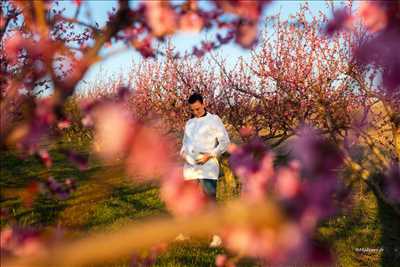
x=126 y=202
x=17 y=171
x=390 y=237
x=141 y=197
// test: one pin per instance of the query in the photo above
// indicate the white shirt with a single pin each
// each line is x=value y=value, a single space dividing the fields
x=206 y=134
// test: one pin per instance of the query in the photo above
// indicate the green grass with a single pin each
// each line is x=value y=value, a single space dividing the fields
x=106 y=199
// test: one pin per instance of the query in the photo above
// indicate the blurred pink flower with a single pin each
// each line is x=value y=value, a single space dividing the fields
x=29 y=247
x=317 y=156
x=382 y=50
x=45 y=157
x=253 y=163
x=276 y=246
x=144 y=46
x=252 y=242
x=5 y=237
x=221 y=260
x=113 y=131
x=42 y=49
x=246 y=33
x=293 y=241
x=182 y=197
x=255 y=184
x=287 y=182
x=160 y=17
x=149 y=153
x=2 y=21
x=13 y=44
x=20 y=242
x=191 y=22
x=240 y=239
x=198 y=52
x=247 y=131
x=87 y=121
x=245 y=160
x=64 y=124
x=373 y=16
x=243 y=8
x=341 y=20
x=44 y=111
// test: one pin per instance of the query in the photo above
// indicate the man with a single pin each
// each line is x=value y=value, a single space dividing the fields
x=205 y=139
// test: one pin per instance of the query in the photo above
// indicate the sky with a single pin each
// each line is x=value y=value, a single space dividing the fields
x=119 y=63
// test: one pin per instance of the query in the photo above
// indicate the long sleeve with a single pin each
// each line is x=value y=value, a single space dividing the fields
x=185 y=150
x=222 y=136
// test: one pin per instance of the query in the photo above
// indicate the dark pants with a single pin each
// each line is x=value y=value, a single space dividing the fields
x=209 y=187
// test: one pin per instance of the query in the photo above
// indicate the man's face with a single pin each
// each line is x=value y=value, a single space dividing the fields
x=198 y=109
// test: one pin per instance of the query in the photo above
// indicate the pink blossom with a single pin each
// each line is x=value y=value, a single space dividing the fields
x=87 y=121
x=2 y=21
x=246 y=34
x=318 y=157
x=373 y=16
x=198 y=52
x=253 y=163
x=277 y=246
x=381 y=50
x=247 y=131
x=251 y=241
x=64 y=124
x=29 y=247
x=309 y=219
x=191 y=22
x=243 y=8
x=44 y=111
x=21 y=242
x=293 y=245
x=113 y=129
x=13 y=45
x=42 y=49
x=233 y=148
x=149 y=153
x=255 y=183
x=144 y=46
x=5 y=237
x=240 y=239
x=78 y=2
x=221 y=260
x=45 y=157
x=287 y=182
x=183 y=198
x=341 y=20
x=161 y=17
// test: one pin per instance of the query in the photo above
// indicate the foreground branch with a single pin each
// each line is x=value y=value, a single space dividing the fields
x=106 y=247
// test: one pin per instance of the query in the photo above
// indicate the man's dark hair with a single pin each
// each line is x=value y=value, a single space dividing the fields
x=195 y=97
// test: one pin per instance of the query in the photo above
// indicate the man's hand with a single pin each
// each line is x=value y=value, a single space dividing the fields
x=203 y=158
